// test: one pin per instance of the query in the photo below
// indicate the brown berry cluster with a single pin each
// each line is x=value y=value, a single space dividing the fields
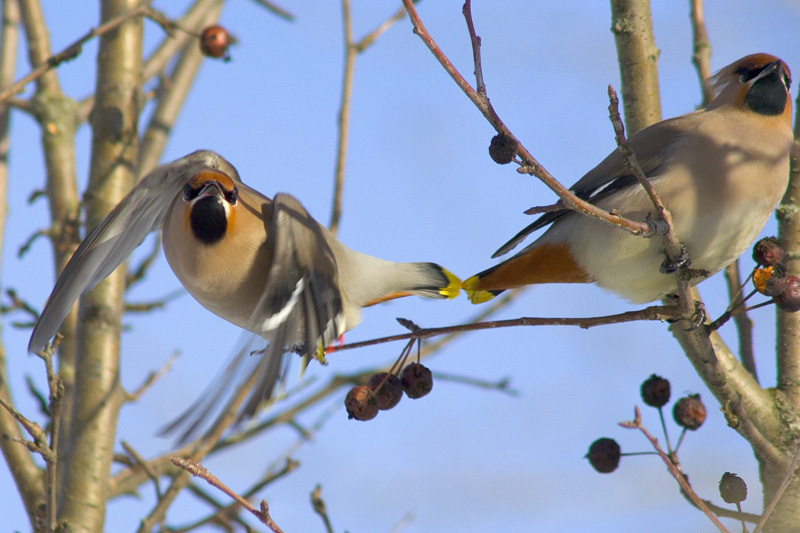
x=383 y=391
x=689 y=413
x=770 y=278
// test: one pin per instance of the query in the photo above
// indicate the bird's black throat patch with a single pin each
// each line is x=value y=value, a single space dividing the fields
x=208 y=220
x=767 y=96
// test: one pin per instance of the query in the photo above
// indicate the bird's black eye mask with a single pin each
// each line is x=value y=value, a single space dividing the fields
x=190 y=193
x=747 y=74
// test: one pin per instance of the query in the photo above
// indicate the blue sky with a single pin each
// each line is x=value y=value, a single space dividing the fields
x=421 y=187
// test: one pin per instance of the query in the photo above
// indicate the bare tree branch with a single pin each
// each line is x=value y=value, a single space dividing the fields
x=632 y=27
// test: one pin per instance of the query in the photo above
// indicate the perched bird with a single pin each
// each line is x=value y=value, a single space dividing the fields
x=264 y=265
x=720 y=170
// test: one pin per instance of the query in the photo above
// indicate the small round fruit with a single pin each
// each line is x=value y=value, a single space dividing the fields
x=387 y=389
x=214 y=41
x=361 y=404
x=789 y=299
x=767 y=251
x=771 y=280
x=417 y=380
x=502 y=149
x=655 y=391
x=732 y=488
x=604 y=454
x=689 y=412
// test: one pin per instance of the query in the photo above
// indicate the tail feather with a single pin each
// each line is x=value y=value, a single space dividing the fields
x=544 y=263
x=434 y=281
x=475 y=295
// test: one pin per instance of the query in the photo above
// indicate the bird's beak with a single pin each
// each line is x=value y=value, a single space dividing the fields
x=210 y=188
x=768 y=70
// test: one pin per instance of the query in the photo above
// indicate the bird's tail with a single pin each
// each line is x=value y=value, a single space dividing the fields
x=475 y=294
x=540 y=263
x=435 y=281
x=428 y=280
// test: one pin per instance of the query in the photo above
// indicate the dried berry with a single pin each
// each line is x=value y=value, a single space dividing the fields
x=604 y=454
x=655 y=391
x=771 y=280
x=502 y=149
x=417 y=380
x=214 y=41
x=789 y=299
x=387 y=388
x=689 y=412
x=732 y=488
x=361 y=404
x=767 y=251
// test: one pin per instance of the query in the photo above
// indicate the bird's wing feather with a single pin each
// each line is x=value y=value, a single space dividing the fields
x=300 y=309
x=118 y=234
x=612 y=175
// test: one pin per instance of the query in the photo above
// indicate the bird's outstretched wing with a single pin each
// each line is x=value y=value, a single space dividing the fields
x=113 y=240
x=302 y=308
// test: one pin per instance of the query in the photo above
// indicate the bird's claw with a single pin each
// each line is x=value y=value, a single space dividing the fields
x=681 y=262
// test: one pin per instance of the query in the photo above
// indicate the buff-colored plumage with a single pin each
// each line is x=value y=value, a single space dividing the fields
x=720 y=171
x=263 y=264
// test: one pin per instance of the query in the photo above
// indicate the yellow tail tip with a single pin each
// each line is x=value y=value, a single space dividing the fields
x=453 y=285
x=476 y=296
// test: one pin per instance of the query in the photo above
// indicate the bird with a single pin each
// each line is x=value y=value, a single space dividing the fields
x=720 y=170
x=262 y=264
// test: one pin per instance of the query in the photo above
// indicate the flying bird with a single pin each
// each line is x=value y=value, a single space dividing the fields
x=262 y=264
x=720 y=170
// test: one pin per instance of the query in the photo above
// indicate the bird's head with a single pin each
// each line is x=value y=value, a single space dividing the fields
x=758 y=82
x=210 y=197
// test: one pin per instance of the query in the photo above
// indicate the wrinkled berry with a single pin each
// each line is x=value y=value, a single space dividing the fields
x=655 y=391
x=387 y=388
x=732 y=488
x=417 y=380
x=789 y=299
x=361 y=404
x=214 y=41
x=767 y=251
x=771 y=280
x=502 y=149
x=604 y=454
x=689 y=412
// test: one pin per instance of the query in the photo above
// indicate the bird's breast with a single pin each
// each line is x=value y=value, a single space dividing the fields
x=226 y=276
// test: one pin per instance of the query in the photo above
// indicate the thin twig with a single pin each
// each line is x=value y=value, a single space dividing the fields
x=529 y=164
x=56 y=388
x=73 y=50
x=276 y=9
x=351 y=51
x=318 y=504
x=636 y=423
x=343 y=122
x=198 y=470
x=480 y=85
x=701 y=53
x=502 y=385
x=152 y=377
x=744 y=325
x=676 y=253
x=142 y=463
x=655 y=312
x=539 y=209
x=367 y=41
x=224 y=511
